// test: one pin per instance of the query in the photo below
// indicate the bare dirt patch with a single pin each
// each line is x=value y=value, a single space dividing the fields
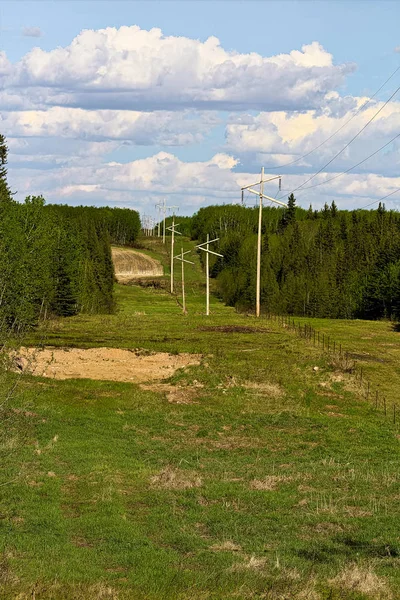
x=131 y=264
x=107 y=364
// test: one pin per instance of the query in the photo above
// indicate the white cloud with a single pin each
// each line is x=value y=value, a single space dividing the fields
x=189 y=184
x=35 y=32
x=141 y=128
x=280 y=137
x=132 y=68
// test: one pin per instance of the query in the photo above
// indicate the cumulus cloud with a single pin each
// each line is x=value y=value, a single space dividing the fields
x=279 y=138
x=132 y=68
x=189 y=184
x=35 y=32
x=65 y=111
x=141 y=128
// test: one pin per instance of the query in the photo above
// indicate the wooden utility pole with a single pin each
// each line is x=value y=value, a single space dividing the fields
x=206 y=248
x=183 y=284
x=172 y=253
x=173 y=231
x=208 y=277
x=162 y=207
x=258 y=283
x=261 y=195
x=159 y=208
x=183 y=260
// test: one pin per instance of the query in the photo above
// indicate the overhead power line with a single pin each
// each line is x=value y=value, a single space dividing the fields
x=348 y=143
x=337 y=130
x=380 y=199
x=353 y=167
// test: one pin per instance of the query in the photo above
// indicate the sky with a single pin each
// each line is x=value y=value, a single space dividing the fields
x=126 y=103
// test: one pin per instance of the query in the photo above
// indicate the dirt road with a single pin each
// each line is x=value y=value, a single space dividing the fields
x=131 y=264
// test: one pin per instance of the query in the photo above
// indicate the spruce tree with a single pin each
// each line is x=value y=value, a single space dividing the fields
x=291 y=210
x=5 y=193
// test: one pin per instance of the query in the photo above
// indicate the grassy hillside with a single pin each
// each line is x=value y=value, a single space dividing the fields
x=261 y=473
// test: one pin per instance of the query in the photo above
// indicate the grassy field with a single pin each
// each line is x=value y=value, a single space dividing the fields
x=261 y=473
x=375 y=347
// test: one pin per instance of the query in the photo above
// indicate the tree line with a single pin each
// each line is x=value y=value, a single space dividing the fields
x=327 y=263
x=56 y=259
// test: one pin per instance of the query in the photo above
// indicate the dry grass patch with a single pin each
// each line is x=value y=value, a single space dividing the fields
x=175 y=394
x=272 y=390
x=176 y=479
x=226 y=546
x=252 y=563
x=363 y=580
x=270 y=482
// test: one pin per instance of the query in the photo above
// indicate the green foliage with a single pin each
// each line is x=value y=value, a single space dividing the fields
x=184 y=225
x=56 y=259
x=330 y=263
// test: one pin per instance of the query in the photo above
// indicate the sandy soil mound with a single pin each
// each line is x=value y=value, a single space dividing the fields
x=130 y=264
x=110 y=364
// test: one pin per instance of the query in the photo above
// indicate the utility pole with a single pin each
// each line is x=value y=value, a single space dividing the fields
x=183 y=260
x=205 y=247
x=261 y=195
x=173 y=231
x=162 y=207
x=159 y=208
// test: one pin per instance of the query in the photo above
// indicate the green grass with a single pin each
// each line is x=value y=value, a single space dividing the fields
x=275 y=481
x=375 y=347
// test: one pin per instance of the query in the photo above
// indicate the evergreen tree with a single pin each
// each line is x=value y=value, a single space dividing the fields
x=326 y=213
x=5 y=193
x=291 y=210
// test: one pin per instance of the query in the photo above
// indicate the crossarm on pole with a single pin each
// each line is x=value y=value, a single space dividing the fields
x=211 y=252
x=246 y=187
x=184 y=260
x=268 y=198
x=205 y=243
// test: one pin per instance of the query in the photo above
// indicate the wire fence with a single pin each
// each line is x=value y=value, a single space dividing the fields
x=344 y=361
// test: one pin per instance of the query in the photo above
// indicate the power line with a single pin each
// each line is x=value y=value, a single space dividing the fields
x=353 y=167
x=380 y=199
x=340 y=128
x=348 y=143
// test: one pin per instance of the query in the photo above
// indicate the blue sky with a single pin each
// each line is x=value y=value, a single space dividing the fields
x=205 y=120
